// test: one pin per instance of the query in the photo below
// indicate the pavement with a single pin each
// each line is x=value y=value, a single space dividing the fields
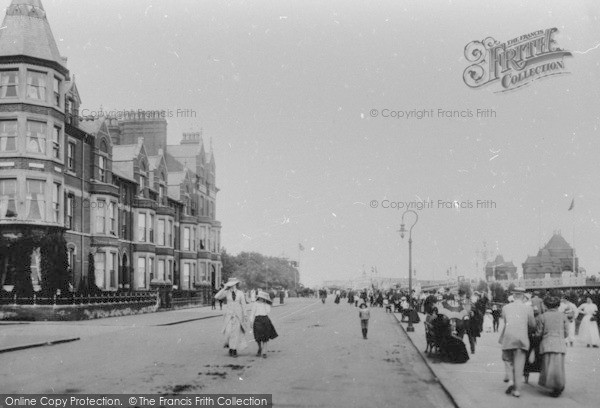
x=23 y=335
x=479 y=382
x=476 y=383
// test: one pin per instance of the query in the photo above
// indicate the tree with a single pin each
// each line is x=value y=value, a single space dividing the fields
x=89 y=283
x=54 y=264
x=498 y=292
x=227 y=265
x=258 y=271
x=23 y=247
x=482 y=286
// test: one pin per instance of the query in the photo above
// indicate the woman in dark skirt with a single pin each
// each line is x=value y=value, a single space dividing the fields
x=533 y=362
x=261 y=324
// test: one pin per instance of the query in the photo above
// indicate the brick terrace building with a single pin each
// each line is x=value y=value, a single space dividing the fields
x=145 y=211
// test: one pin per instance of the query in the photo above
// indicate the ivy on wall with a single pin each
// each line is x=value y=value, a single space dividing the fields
x=53 y=264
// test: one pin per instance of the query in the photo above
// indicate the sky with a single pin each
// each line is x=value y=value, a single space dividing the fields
x=286 y=89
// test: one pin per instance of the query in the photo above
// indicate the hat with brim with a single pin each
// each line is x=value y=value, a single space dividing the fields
x=518 y=290
x=264 y=296
x=231 y=282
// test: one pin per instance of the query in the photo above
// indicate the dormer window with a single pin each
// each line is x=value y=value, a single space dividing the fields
x=9 y=84
x=102 y=169
x=36 y=85
x=102 y=162
x=142 y=178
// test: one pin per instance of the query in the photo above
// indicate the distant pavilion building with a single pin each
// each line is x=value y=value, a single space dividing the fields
x=499 y=269
x=552 y=260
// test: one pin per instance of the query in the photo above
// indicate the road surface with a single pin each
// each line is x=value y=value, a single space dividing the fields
x=319 y=359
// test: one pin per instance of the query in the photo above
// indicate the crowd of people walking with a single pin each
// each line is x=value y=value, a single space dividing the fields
x=535 y=332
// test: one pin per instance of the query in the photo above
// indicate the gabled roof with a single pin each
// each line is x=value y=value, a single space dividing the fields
x=129 y=152
x=185 y=154
x=124 y=170
x=125 y=152
x=185 y=150
x=92 y=125
x=172 y=163
x=155 y=161
x=26 y=31
x=71 y=88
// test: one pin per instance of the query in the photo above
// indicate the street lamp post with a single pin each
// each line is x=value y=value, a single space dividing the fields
x=402 y=231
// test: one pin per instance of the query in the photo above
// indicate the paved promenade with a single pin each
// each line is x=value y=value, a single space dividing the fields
x=478 y=383
x=22 y=335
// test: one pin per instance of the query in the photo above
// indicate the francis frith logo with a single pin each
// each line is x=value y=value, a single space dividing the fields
x=515 y=63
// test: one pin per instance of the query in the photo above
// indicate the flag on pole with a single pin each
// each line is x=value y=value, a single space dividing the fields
x=572 y=204
x=300 y=247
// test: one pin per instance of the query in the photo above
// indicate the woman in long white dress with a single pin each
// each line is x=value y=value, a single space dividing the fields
x=235 y=316
x=588 y=330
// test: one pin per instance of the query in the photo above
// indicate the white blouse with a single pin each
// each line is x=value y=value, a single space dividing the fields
x=259 y=309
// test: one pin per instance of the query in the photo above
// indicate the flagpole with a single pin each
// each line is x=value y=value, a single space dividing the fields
x=572 y=208
x=573 y=236
x=298 y=269
x=540 y=226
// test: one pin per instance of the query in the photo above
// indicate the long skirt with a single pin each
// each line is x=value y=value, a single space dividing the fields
x=553 y=371
x=364 y=323
x=263 y=329
x=234 y=334
x=456 y=351
x=588 y=331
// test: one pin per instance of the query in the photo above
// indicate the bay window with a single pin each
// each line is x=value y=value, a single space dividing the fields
x=100 y=267
x=100 y=217
x=186 y=238
x=142 y=227
x=56 y=142
x=56 y=202
x=9 y=84
x=36 y=85
x=35 y=205
x=160 y=273
x=36 y=137
x=8 y=198
x=161 y=232
x=141 y=272
x=112 y=211
x=8 y=135
x=56 y=89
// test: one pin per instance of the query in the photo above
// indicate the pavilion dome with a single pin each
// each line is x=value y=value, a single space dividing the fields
x=557 y=242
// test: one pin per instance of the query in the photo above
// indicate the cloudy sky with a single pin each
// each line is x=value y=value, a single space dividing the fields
x=285 y=89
